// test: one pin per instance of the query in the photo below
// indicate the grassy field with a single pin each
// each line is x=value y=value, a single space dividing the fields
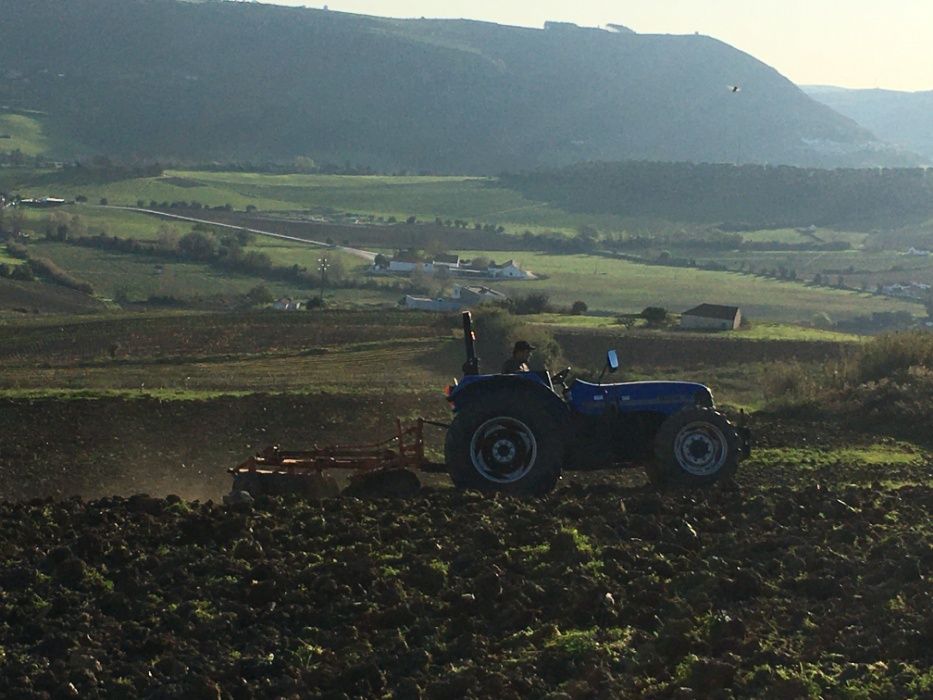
x=110 y=222
x=476 y=200
x=608 y=286
x=758 y=331
x=25 y=134
x=136 y=276
x=856 y=266
x=611 y=286
x=792 y=235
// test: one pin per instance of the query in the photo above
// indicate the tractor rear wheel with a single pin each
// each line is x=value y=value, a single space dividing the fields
x=508 y=443
x=694 y=447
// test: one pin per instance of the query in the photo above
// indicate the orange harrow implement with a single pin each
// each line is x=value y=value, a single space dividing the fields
x=275 y=471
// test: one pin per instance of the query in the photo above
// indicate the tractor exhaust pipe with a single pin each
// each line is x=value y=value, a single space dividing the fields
x=471 y=366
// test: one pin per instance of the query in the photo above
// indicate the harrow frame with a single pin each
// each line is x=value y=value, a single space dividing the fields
x=404 y=450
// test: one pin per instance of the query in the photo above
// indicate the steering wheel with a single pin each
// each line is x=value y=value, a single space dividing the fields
x=561 y=377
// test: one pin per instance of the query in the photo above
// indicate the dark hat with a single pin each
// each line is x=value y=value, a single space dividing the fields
x=522 y=345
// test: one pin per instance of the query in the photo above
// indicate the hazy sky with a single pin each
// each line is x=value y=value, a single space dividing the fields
x=851 y=43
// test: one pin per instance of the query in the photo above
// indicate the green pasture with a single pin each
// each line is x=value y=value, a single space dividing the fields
x=137 y=276
x=109 y=222
x=25 y=134
x=471 y=199
x=476 y=200
x=856 y=266
x=792 y=235
x=286 y=253
x=613 y=286
x=757 y=331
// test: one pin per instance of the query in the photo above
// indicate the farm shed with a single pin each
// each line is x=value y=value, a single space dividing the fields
x=477 y=294
x=712 y=317
x=427 y=304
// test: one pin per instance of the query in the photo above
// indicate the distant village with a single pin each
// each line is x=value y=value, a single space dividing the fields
x=448 y=264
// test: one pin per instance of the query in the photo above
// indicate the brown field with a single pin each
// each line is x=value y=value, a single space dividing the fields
x=33 y=297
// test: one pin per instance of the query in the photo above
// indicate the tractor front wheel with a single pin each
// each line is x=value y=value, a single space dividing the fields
x=694 y=447
x=508 y=443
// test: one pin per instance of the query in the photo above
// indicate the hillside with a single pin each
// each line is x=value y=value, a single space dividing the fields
x=249 y=82
x=901 y=118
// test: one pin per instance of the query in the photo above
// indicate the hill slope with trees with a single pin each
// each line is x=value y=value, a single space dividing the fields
x=249 y=82
x=901 y=118
x=747 y=196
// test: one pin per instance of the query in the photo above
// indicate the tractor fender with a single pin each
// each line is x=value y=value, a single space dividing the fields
x=483 y=387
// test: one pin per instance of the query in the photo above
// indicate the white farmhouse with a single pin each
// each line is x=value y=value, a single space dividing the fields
x=507 y=270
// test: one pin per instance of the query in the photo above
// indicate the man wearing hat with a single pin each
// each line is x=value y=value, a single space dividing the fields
x=521 y=353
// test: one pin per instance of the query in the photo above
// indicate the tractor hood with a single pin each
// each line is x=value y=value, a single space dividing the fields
x=659 y=396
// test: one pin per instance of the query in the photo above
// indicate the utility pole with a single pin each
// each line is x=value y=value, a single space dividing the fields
x=323 y=265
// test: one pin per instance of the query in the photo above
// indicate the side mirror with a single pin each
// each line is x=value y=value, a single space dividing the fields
x=612 y=361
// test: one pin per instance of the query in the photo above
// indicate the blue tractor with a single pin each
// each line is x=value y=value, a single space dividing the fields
x=515 y=433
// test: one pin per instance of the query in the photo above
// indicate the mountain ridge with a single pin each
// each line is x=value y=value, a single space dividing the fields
x=242 y=81
x=897 y=116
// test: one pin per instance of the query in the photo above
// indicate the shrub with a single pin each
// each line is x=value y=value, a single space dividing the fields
x=893 y=355
x=259 y=295
x=199 y=245
x=23 y=273
x=654 y=314
x=788 y=382
x=534 y=303
x=578 y=307
x=17 y=251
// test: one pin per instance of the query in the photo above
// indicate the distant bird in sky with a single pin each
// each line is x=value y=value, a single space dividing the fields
x=734 y=88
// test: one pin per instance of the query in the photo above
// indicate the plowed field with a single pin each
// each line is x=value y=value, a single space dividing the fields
x=808 y=577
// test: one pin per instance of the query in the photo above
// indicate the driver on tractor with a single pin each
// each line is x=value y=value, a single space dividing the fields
x=521 y=353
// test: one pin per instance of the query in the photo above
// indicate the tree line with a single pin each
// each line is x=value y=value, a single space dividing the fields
x=740 y=197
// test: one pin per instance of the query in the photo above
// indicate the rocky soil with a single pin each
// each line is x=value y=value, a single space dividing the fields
x=801 y=583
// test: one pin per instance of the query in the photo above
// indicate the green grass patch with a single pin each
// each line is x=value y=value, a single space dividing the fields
x=758 y=331
x=475 y=200
x=886 y=453
x=585 y=642
x=7 y=259
x=25 y=134
x=610 y=286
x=785 y=331
x=137 y=277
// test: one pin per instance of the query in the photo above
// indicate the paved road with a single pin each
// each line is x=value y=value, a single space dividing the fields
x=358 y=252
